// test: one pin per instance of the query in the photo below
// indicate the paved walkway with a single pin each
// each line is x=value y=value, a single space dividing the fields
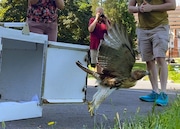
x=76 y=116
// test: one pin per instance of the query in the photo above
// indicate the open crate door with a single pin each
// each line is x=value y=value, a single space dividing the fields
x=21 y=75
x=65 y=82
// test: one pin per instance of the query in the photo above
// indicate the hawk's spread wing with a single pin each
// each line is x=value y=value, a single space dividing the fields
x=116 y=54
x=117 y=57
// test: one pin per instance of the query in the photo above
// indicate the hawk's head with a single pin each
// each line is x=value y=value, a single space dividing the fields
x=138 y=74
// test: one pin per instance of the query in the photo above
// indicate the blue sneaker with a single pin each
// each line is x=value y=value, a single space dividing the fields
x=162 y=99
x=150 y=97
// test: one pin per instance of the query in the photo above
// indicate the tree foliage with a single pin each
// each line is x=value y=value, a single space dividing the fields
x=94 y=4
x=73 y=22
x=15 y=10
x=117 y=11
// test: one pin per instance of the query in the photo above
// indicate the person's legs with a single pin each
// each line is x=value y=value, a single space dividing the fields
x=146 y=51
x=162 y=99
x=153 y=77
x=36 y=27
x=159 y=46
x=94 y=61
x=151 y=67
x=93 y=55
x=163 y=73
x=52 y=31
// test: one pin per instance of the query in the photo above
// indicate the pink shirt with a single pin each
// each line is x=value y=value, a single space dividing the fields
x=97 y=34
x=44 y=11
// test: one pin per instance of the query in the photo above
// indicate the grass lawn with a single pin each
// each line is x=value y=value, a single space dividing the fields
x=168 y=119
x=173 y=70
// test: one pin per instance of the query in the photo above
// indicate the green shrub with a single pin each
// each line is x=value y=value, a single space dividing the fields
x=174 y=76
x=170 y=68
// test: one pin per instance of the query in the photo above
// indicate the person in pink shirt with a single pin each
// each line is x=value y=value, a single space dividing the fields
x=97 y=27
x=42 y=17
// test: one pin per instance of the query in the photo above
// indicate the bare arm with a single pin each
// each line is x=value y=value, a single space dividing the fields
x=60 y=4
x=168 y=5
x=132 y=6
x=93 y=24
x=146 y=7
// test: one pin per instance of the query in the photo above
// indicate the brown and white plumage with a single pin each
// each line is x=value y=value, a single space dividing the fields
x=117 y=57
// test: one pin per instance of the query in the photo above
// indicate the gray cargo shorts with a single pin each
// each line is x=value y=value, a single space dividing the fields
x=153 y=43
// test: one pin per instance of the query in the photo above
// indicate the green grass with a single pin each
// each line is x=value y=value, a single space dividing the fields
x=177 y=60
x=168 y=118
x=139 y=66
x=173 y=70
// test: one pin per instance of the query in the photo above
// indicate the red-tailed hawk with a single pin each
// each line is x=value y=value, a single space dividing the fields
x=117 y=57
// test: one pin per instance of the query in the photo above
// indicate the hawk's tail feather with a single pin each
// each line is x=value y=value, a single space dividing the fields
x=101 y=94
x=86 y=69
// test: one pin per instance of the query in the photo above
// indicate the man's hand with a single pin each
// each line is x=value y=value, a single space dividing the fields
x=145 y=7
x=98 y=15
